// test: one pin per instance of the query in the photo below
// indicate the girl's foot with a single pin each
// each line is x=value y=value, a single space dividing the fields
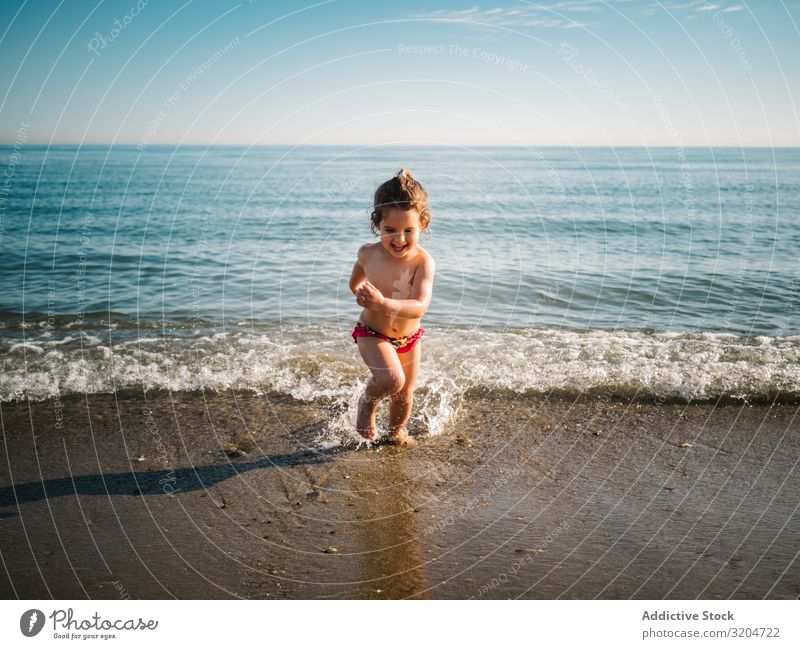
x=365 y=420
x=401 y=437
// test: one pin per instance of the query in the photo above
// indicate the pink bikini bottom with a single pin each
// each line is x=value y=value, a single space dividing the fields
x=402 y=345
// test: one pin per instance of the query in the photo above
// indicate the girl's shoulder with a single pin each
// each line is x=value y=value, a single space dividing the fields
x=424 y=256
x=366 y=251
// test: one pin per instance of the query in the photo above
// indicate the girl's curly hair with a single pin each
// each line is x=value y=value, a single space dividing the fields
x=402 y=191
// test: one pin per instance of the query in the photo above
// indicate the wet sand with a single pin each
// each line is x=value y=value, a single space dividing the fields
x=531 y=498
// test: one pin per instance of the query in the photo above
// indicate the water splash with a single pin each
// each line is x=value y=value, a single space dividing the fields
x=319 y=366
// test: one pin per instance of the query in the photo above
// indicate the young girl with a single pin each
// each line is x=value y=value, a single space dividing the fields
x=392 y=280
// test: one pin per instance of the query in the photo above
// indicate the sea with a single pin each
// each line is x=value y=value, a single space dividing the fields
x=652 y=273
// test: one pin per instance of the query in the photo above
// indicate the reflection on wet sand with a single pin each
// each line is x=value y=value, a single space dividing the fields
x=391 y=564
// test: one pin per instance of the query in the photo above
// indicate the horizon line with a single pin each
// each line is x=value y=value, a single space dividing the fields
x=419 y=146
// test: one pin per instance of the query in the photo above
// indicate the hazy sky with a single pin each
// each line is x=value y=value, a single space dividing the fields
x=568 y=72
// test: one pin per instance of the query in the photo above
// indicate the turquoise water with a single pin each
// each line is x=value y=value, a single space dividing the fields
x=229 y=267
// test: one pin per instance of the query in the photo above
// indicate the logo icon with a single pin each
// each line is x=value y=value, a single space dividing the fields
x=31 y=622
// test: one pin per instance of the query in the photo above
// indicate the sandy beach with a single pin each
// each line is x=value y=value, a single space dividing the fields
x=188 y=495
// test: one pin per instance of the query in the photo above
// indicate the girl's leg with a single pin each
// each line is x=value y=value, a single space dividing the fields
x=387 y=378
x=401 y=402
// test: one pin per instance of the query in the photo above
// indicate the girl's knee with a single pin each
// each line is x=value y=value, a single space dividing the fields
x=406 y=393
x=390 y=384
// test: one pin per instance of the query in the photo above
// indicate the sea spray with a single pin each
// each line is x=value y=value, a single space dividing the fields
x=435 y=405
x=320 y=364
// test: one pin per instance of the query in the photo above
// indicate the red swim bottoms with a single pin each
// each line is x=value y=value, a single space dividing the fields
x=402 y=345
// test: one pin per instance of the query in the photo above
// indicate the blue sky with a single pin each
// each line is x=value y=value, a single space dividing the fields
x=566 y=72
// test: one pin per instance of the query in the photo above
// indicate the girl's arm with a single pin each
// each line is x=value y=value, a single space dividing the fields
x=418 y=300
x=358 y=275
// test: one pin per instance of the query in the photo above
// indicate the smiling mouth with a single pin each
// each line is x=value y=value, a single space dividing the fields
x=399 y=248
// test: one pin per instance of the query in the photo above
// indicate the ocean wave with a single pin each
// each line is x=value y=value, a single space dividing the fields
x=320 y=363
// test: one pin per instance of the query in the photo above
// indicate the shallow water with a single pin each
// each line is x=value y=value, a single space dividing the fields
x=628 y=271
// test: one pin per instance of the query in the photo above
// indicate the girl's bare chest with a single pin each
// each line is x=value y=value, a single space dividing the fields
x=393 y=280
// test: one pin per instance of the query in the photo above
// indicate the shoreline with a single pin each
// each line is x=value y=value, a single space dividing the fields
x=534 y=498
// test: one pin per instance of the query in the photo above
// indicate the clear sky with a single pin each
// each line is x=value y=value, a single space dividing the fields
x=494 y=72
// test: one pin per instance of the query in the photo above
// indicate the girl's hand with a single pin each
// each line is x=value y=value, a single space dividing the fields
x=369 y=297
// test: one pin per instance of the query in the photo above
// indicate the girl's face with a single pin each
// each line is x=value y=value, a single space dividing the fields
x=399 y=231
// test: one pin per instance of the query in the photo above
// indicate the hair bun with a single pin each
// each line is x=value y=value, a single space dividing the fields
x=405 y=173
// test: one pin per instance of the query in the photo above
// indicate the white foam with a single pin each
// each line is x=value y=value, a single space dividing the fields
x=26 y=346
x=62 y=341
x=326 y=367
